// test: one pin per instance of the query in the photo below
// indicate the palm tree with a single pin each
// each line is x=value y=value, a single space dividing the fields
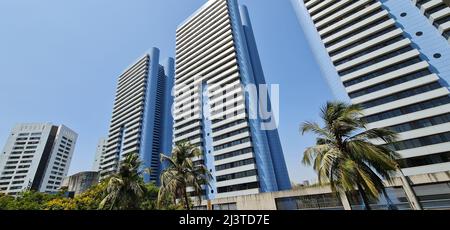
x=125 y=189
x=344 y=155
x=181 y=172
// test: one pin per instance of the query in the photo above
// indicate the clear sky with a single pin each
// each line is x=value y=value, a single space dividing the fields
x=59 y=61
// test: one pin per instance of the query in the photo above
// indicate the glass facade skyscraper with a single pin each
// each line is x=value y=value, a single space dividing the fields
x=392 y=57
x=141 y=120
x=216 y=54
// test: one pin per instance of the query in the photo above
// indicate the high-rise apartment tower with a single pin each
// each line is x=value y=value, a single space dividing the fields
x=141 y=121
x=392 y=57
x=216 y=57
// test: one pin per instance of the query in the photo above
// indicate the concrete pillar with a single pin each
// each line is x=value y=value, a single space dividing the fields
x=344 y=200
x=410 y=194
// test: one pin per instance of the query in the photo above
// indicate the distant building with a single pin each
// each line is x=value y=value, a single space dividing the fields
x=141 y=120
x=36 y=156
x=80 y=182
x=99 y=153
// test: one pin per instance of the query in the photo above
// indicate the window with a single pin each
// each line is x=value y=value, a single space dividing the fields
x=437 y=55
x=403 y=14
x=238 y=187
x=230 y=134
x=374 y=61
x=235 y=164
x=425 y=160
x=229 y=206
x=328 y=201
x=382 y=71
x=419 y=33
x=401 y=95
x=422 y=123
x=15 y=188
x=421 y=141
x=236 y=175
x=228 y=125
x=408 y=109
x=233 y=154
x=390 y=83
x=231 y=144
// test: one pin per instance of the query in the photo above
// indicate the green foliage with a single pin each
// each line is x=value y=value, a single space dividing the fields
x=150 y=197
x=89 y=200
x=181 y=173
x=126 y=189
x=6 y=202
x=344 y=155
x=123 y=191
x=28 y=200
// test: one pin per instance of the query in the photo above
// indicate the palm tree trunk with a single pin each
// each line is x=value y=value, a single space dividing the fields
x=186 y=199
x=365 y=199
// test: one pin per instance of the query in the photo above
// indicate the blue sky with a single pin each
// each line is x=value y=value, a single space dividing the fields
x=59 y=61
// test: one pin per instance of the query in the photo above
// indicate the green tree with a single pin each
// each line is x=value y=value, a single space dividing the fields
x=344 y=155
x=125 y=190
x=88 y=200
x=180 y=173
x=150 y=197
x=6 y=202
x=60 y=203
x=26 y=200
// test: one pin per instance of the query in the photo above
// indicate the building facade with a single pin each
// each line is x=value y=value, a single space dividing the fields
x=80 y=182
x=141 y=121
x=216 y=57
x=99 y=154
x=36 y=156
x=432 y=190
x=391 y=57
x=438 y=14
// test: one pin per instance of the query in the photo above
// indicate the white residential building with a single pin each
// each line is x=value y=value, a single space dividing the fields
x=36 y=156
x=99 y=153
